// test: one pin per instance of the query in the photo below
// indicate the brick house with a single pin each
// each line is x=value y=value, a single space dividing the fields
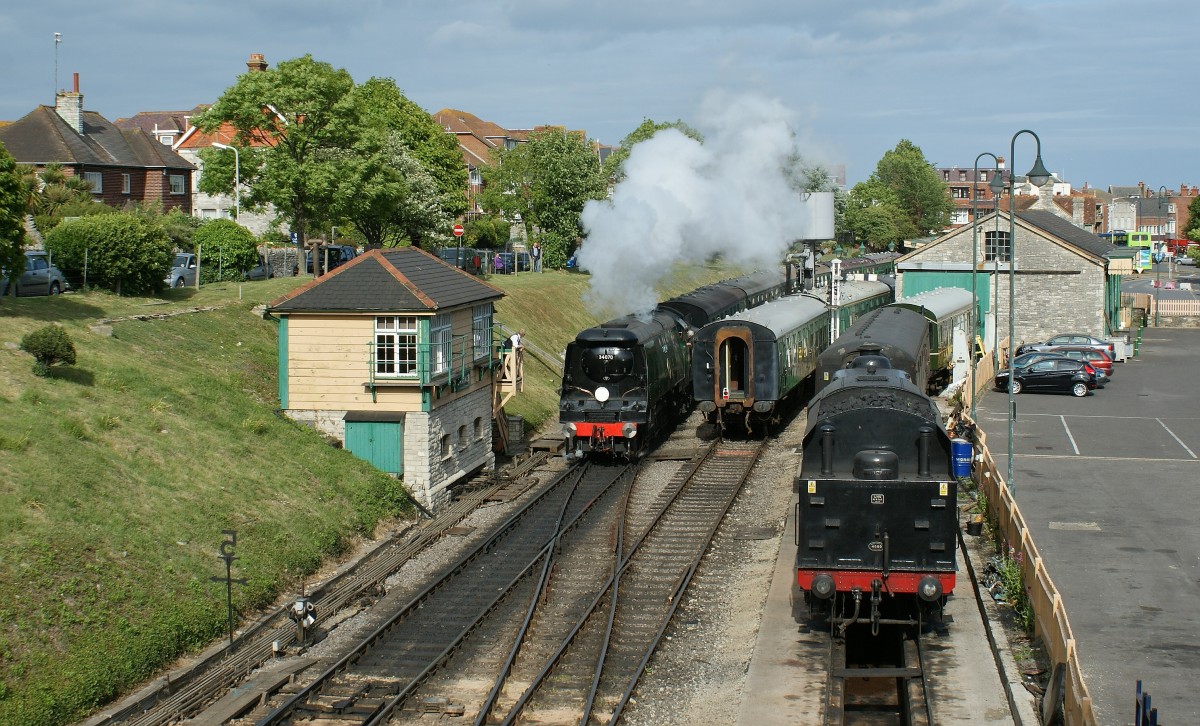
x=123 y=165
x=1064 y=279
x=391 y=354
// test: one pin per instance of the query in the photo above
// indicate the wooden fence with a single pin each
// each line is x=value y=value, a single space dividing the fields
x=1050 y=616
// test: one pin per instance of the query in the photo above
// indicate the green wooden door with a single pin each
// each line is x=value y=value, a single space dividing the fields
x=380 y=443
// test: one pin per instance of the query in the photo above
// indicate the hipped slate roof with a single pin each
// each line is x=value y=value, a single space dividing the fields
x=1066 y=231
x=399 y=280
x=43 y=137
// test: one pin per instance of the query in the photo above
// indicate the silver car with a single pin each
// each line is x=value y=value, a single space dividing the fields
x=183 y=271
x=40 y=277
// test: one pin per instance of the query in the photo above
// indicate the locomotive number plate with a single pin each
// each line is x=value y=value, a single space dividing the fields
x=876 y=499
x=875 y=547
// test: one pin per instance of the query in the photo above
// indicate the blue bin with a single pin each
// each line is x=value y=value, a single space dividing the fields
x=961 y=454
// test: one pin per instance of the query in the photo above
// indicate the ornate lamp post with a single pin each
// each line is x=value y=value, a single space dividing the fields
x=1037 y=176
x=996 y=185
x=237 y=178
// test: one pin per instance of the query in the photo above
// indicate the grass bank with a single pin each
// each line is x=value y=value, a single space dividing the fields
x=119 y=476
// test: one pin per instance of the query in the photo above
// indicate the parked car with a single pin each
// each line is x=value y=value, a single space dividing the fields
x=39 y=278
x=510 y=262
x=1098 y=358
x=1064 y=375
x=183 y=271
x=261 y=271
x=330 y=257
x=1073 y=339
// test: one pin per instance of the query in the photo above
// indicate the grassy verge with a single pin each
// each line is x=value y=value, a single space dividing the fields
x=118 y=477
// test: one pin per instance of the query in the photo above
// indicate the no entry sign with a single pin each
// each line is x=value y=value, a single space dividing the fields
x=458 y=230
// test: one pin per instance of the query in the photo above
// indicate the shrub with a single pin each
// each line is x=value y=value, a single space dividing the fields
x=227 y=249
x=556 y=248
x=49 y=346
x=123 y=252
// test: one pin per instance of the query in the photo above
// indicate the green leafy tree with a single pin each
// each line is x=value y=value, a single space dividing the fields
x=614 y=165
x=14 y=200
x=490 y=231
x=287 y=119
x=123 y=252
x=918 y=188
x=384 y=106
x=1192 y=231
x=873 y=213
x=546 y=181
x=180 y=228
x=227 y=249
x=55 y=195
x=49 y=346
x=389 y=196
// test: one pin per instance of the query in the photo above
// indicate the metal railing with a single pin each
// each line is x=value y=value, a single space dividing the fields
x=458 y=357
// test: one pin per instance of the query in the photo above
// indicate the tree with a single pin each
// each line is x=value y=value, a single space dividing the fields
x=389 y=196
x=1192 y=231
x=489 y=231
x=873 y=214
x=286 y=120
x=546 y=181
x=123 y=252
x=13 y=203
x=614 y=165
x=227 y=249
x=384 y=106
x=918 y=189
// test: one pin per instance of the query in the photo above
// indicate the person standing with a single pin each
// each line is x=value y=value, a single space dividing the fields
x=536 y=254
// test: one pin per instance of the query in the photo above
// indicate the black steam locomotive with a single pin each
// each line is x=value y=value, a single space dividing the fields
x=630 y=378
x=877 y=514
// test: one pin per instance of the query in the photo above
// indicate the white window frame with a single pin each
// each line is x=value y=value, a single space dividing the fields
x=96 y=179
x=178 y=178
x=440 y=339
x=481 y=330
x=960 y=216
x=396 y=346
x=125 y=184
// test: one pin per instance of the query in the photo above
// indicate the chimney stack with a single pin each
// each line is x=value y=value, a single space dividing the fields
x=1000 y=162
x=69 y=106
x=256 y=63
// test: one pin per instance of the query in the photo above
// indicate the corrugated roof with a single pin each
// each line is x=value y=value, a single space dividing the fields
x=403 y=279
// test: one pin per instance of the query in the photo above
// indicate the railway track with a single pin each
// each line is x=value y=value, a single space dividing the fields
x=377 y=677
x=654 y=554
x=875 y=679
x=187 y=694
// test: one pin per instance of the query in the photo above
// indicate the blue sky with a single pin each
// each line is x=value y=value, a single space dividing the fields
x=1108 y=87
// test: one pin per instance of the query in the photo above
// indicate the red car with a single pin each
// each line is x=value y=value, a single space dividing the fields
x=1098 y=358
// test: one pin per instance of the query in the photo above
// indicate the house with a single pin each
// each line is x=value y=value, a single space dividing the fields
x=123 y=165
x=477 y=139
x=1064 y=277
x=391 y=354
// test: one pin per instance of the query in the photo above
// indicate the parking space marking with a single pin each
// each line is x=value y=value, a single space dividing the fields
x=1103 y=458
x=1169 y=431
x=1069 y=436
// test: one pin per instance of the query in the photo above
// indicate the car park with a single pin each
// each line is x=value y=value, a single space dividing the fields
x=39 y=278
x=1054 y=374
x=1072 y=339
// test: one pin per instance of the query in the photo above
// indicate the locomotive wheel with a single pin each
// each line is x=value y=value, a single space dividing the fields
x=1079 y=390
x=1016 y=387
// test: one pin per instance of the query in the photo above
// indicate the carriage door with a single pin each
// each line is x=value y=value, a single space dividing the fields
x=734 y=368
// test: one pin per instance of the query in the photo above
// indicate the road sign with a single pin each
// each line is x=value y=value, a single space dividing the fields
x=458 y=230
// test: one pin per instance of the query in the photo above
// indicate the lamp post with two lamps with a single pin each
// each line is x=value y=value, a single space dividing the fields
x=997 y=186
x=237 y=178
x=1038 y=176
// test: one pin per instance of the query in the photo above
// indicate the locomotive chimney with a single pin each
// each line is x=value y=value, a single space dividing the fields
x=926 y=434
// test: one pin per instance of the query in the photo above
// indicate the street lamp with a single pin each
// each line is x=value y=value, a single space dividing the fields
x=1164 y=207
x=996 y=185
x=237 y=178
x=1037 y=176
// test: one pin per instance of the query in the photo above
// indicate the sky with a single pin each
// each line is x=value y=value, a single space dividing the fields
x=1106 y=86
